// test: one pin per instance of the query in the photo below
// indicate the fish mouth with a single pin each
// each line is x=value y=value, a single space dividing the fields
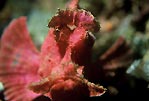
x=71 y=84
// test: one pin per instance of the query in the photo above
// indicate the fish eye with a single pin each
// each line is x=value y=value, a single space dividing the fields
x=57 y=29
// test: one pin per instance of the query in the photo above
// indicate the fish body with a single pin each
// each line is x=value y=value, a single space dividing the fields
x=58 y=70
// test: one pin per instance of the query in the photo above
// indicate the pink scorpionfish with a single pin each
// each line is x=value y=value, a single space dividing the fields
x=58 y=70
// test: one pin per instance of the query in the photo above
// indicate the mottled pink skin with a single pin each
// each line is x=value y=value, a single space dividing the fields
x=50 y=56
x=19 y=61
x=64 y=53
